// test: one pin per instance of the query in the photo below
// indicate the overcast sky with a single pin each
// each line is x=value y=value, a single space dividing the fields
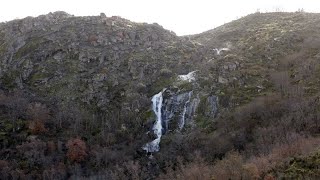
x=181 y=16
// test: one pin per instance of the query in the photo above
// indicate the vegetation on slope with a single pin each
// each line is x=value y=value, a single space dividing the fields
x=75 y=99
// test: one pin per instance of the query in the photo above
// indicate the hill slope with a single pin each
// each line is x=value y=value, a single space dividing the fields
x=76 y=95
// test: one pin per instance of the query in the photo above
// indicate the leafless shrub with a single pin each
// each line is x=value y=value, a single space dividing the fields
x=39 y=114
x=195 y=170
x=229 y=167
x=34 y=152
x=15 y=104
x=129 y=170
x=58 y=171
x=282 y=82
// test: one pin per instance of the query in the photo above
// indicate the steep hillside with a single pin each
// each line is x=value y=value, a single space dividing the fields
x=263 y=44
x=83 y=58
x=104 y=97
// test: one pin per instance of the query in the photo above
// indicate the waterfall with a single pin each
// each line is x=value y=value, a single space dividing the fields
x=182 y=121
x=153 y=146
x=188 y=77
x=220 y=50
x=176 y=106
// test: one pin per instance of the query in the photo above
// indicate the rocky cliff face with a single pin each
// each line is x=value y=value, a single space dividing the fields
x=96 y=61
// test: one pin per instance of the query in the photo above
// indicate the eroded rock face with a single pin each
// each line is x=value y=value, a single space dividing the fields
x=178 y=109
x=213 y=104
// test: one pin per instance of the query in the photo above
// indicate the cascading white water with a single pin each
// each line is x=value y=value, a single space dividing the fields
x=218 y=51
x=153 y=146
x=188 y=77
x=182 y=121
x=161 y=125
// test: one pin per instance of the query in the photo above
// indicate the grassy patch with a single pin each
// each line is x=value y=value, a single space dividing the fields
x=8 y=79
x=160 y=84
x=30 y=46
x=303 y=167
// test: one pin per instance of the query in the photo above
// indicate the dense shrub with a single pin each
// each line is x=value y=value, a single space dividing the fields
x=77 y=150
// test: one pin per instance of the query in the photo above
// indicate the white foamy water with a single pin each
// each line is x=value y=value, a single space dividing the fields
x=153 y=146
x=218 y=51
x=183 y=118
x=188 y=77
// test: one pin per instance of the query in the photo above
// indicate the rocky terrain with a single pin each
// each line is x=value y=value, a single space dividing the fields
x=101 y=97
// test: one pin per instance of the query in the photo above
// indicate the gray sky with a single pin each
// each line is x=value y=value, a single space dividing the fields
x=181 y=16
